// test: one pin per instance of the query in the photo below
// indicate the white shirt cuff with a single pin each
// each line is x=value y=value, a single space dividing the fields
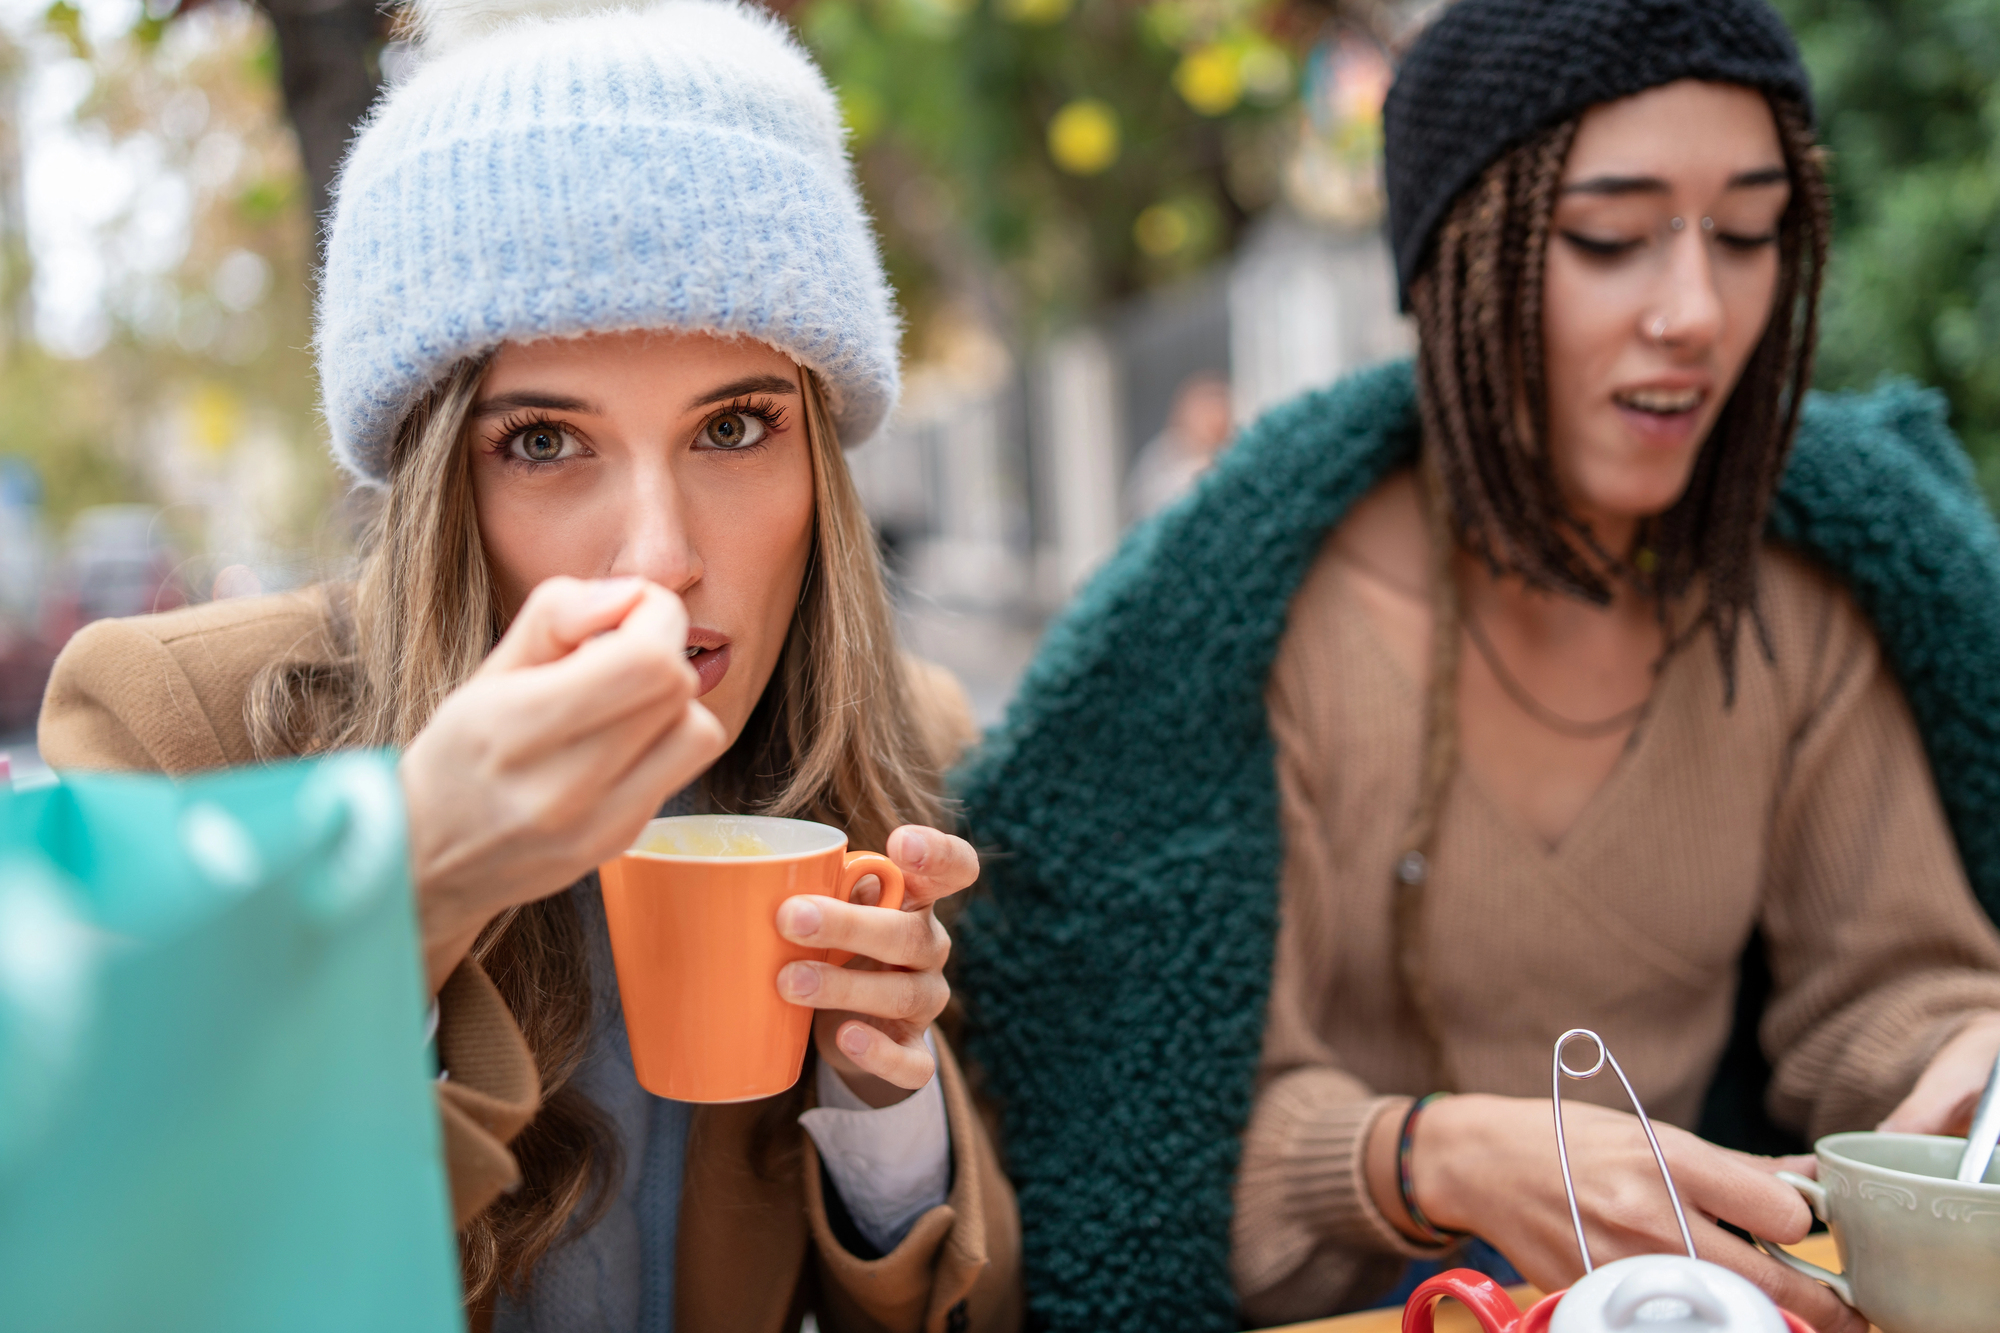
x=891 y=1165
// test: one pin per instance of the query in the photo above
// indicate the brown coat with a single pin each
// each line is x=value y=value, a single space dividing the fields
x=166 y=693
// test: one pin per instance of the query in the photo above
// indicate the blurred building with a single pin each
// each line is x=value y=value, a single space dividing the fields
x=1004 y=482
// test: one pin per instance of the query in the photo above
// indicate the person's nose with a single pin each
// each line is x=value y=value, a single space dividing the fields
x=656 y=542
x=1687 y=312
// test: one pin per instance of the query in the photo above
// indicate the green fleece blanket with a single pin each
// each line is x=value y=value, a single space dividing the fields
x=1116 y=966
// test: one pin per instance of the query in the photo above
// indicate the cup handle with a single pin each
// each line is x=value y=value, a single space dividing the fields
x=1486 y=1299
x=1815 y=1197
x=857 y=867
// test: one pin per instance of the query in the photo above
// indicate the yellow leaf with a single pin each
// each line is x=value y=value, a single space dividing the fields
x=1083 y=137
x=214 y=418
x=1210 y=79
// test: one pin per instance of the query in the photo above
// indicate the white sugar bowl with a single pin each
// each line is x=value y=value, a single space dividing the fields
x=1665 y=1293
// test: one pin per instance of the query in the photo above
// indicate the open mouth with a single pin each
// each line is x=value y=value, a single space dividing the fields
x=710 y=661
x=1661 y=402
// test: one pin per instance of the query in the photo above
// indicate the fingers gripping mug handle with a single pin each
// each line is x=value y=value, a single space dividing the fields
x=1486 y=1299
x=1815 y=1197
x=857 y=867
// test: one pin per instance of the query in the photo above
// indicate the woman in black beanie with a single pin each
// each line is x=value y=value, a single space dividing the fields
x=1558 y=734
x=1609 y=220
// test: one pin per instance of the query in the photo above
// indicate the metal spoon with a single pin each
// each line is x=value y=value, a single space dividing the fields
x=1985 y=1131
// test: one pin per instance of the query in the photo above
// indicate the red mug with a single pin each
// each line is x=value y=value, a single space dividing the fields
x=1486 y=1299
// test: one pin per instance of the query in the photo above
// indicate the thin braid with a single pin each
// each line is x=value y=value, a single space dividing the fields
x=1533 y=406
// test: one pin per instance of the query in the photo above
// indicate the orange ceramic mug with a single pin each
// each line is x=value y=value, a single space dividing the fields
x=693 y=911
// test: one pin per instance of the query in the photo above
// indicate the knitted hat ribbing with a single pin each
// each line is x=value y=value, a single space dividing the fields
x=678 y=166
x=1489 y=73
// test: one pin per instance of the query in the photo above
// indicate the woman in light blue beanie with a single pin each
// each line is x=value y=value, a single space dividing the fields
x=675 y=167
x=600 y=307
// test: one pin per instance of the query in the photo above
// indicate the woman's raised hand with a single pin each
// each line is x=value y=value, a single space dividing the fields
x=552 y=757
x=1488 y=1165
x=874 y=1011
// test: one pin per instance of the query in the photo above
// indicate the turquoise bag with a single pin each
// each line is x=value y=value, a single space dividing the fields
x=216 y=1108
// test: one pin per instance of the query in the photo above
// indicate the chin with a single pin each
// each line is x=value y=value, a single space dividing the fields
x=1634 y=492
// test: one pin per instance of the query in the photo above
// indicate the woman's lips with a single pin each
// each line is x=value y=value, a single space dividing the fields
x=710 y=666
x=1664 y=429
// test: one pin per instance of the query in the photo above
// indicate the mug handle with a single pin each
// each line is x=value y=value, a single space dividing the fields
x=857 y=867
x=1815 y=1197
x=1486 y=1299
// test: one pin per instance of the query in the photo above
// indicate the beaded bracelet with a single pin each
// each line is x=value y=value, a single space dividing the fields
x=1405 y=1182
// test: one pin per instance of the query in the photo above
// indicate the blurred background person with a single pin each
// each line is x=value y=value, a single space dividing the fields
x=1197 y=429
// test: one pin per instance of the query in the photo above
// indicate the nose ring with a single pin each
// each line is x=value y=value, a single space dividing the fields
x=1658 y=328
x=1678 y=224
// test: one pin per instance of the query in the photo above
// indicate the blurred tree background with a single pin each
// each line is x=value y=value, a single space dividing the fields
x=1031 y=162
x=1909 y=104
x=1046 y=156
x=1041 y=158
x=163 y=355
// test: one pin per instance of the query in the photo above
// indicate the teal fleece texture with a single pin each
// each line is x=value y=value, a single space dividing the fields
x=1116 y=965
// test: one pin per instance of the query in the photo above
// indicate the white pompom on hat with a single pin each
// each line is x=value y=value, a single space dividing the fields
x=555 y=168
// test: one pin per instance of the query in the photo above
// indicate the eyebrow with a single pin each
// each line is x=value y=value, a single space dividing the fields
x=1614 y=186
x=529 y=398
x=776 y=384
x=533 y=400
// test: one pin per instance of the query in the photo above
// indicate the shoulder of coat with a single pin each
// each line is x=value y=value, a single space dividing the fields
x=278 y=618
x=166 y=691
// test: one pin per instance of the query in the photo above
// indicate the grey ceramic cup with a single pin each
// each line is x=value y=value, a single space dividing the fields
x=1919 y=1252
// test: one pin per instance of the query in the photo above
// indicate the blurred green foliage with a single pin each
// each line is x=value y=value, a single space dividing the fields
x=1909 y=104
x=1011 y=147
x=55 y=416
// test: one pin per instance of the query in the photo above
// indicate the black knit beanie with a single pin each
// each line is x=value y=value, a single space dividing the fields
x=1489 y=73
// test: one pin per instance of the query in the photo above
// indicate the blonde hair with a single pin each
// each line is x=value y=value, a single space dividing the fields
x=833 y=738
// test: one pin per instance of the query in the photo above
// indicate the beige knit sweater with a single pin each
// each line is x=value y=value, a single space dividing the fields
x=1808 y=809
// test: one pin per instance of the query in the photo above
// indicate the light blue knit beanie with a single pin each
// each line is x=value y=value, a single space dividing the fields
x=556 y=169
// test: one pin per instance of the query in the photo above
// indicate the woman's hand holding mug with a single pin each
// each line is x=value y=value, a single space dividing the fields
x=875 y=1009
x=552 y=757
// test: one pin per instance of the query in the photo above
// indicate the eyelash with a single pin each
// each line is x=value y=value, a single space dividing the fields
x=1601 y=249
x=764 y=410
x=514 y=426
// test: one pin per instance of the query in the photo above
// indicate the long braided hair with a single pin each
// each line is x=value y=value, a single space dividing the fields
x=1490 y=485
